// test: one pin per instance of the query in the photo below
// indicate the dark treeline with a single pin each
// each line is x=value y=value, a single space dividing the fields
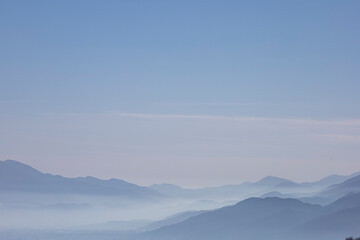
x=351 y=238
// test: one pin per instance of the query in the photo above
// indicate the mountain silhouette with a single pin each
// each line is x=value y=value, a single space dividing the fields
x=351 y=185
x=18 y=177
x=253 y=218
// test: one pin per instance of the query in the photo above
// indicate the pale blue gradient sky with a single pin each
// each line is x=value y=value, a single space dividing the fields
x=189 y=92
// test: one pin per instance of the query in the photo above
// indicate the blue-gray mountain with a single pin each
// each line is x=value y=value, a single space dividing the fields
x=270 y=218
x=280 y=186
x=282 y=212
x=341 y=189
x=19 y=177
x=16 y=176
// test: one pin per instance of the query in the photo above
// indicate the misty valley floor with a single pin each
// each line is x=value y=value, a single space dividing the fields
x=60 y=235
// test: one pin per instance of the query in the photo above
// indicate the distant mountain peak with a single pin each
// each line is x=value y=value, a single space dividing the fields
x=273 y=178
x=271 y=181
x=18 y=166
x=15 y=163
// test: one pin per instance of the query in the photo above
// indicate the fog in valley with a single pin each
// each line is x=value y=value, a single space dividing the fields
x=35 y=205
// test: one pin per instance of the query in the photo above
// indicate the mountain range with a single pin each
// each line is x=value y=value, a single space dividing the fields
x=19 y=177
x=262 y=187
x=275 y=208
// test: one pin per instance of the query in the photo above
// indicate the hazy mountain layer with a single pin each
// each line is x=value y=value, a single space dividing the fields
x=274 y=218
x=281 y=213
x=19 y=177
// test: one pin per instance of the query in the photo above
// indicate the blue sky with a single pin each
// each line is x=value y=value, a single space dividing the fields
x=190 y=92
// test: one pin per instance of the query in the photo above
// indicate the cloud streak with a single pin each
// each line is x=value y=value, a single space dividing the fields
x=338 y=137
x=302 y=121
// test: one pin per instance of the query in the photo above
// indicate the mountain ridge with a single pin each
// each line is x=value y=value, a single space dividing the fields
x=16 y=176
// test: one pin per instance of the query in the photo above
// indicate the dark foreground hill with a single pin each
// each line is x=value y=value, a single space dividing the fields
x=267 y=218
x=253 y=218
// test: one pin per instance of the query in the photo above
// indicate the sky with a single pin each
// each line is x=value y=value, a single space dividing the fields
x=195 y=93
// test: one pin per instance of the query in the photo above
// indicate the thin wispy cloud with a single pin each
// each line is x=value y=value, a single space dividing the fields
x=215 y=104
x=338 y=137
x=352 y=122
